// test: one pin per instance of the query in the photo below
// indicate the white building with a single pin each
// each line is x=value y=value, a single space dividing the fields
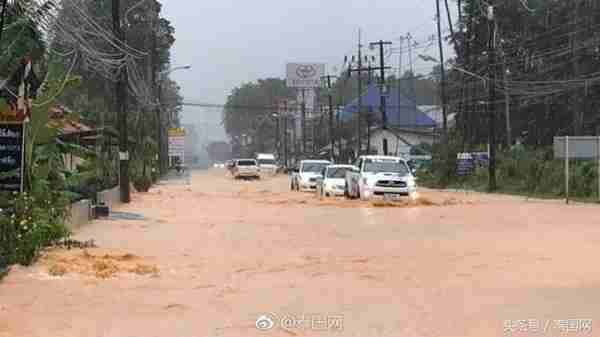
x=399 y=141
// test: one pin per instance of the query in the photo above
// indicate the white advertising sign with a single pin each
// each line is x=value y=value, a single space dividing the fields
x=304 y=75
x=176 y=142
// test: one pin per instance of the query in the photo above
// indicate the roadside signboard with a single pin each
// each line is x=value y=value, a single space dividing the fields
x=176 y=142
x=579 y=147
x=304 y=75
x=586 y=147
x=12 y=143
x=467 y=162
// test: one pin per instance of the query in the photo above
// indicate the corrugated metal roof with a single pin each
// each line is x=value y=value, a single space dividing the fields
x=401 y=110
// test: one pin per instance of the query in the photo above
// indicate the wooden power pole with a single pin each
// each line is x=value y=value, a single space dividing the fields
x=331 y=112
x=121 y=99
x=492 y=98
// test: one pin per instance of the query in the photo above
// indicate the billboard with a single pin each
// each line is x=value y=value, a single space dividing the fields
x=177 y=142
x=304 y=75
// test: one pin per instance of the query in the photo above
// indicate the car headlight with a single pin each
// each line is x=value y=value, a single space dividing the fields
x=411 y=182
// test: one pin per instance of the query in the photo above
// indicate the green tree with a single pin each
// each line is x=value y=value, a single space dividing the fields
x=249 y=110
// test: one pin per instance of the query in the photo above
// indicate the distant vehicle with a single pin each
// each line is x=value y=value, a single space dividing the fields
x=180 y=168
x=386 y=176
x=306 y=175
x=219 y=165
x=246 y=168
x=333 y=182
x=267 y=163
x=229 y=165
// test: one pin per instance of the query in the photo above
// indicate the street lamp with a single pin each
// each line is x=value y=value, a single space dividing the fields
x=168 y=71
x=162 y=77
x=162 y=144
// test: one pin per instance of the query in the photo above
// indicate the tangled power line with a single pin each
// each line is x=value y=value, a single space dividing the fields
x=71 y=31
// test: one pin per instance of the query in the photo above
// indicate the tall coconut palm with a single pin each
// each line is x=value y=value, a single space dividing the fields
x=29 y=10
x=21 y=22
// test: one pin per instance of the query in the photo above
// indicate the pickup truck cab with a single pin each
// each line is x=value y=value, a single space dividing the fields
x=307 y=174
x=246 y=168
x=386 y=176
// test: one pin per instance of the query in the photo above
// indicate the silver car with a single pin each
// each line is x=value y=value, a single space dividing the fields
x=333 y=182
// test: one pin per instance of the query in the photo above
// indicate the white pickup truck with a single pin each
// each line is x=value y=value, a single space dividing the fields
x=386 y=176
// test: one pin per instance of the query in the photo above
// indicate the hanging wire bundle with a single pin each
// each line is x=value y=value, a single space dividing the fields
x=71 y=31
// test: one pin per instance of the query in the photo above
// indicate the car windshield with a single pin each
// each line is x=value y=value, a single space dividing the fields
x=338 y=172
x=246 y=163
x=266 y=162
x=387 y=166
x=313 y=167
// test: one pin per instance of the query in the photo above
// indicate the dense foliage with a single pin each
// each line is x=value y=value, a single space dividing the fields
x=36 y=219
x=248 y=114
x=549 y=53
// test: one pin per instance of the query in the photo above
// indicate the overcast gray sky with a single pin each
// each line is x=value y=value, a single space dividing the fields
x=233 y=41
x=229 y=42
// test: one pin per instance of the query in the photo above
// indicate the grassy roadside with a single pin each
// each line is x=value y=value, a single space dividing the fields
x=526 y=173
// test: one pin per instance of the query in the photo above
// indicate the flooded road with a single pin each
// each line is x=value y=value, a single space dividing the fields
x=211 y=258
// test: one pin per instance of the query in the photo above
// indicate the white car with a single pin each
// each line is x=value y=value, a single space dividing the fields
x=267 y=163
x=333 y=182
x=307 y=175
x=385 y=176
x=246 y=168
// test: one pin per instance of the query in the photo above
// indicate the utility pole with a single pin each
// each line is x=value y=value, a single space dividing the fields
x=303 y=121
x=382 y=89
x=442 y=74
x=413 y=95
x=331 y=112
x=401 y=41
x=507 y=107
x=158 y=92
x=314 y=134
x=370 y=70
x=382 y=68
x=285 y=136
x=492 y=98
x=445 y=142
x=368 y=119
x=121 y=100
x=360 y=69
x=295 y=134
x=278 y=133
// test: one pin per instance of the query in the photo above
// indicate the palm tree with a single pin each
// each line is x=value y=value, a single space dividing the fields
x=21 y=21
x=29 y=10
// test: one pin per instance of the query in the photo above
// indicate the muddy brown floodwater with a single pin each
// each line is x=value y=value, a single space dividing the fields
x=212 y=258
